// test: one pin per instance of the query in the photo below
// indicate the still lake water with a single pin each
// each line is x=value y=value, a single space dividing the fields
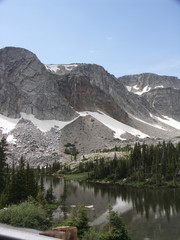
x=148 y=214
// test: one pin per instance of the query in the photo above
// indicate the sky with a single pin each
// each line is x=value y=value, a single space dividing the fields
x=124 y=36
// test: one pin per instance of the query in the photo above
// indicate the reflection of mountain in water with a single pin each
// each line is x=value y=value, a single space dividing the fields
x=148 y=213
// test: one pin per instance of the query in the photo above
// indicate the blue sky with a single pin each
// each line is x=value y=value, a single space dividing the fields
x=123 y=36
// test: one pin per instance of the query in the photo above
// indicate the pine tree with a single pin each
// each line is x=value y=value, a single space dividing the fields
x=31 y=183
x=3 y=149
x=13 y=187
x=82 y=220
x=21 y=181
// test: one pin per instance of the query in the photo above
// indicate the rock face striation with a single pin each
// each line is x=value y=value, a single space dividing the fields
x=161 y=92
x=115 y=111
x=26 y=86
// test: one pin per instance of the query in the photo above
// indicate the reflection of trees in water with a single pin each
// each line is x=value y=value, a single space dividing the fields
x=162 y=201
x=63 y=198
x=159 y=201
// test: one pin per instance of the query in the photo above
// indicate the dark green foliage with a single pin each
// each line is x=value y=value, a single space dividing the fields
x=118 y=149
x=3 y=200
x=3 y=149
x=22 y=183
x=16 y=184
x=78 y=219
x=117 y=230
x=25 y=215
x=82 y=221
x=71 y=150
x=49 y=195
x=151 y=164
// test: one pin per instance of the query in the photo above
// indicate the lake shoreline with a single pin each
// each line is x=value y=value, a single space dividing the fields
x=84 y=177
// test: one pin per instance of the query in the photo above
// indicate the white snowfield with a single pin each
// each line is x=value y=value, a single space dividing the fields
x=145 y=89
x=152 y=125
x=116 y=126
x=56 y=67
x=135 y=87
x=21 y=233
x=170 y=121
x=45 y=125
x=8 y=124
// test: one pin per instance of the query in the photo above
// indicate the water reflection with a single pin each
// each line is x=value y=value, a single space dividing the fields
x=148 y=213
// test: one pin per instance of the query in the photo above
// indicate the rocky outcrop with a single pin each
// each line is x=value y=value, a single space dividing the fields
x=165 y=100
x=160 y=92
x=128 y=102
x=82 y=95
x=26 y=86
x=36 y=146
x=88 y=135
x=149 y=80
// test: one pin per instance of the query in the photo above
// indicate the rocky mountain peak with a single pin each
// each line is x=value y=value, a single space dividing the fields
x=26 y=86
x=141 y=83
x=81 y=104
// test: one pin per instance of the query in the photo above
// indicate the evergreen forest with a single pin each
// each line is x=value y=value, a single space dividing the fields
x=155 y=165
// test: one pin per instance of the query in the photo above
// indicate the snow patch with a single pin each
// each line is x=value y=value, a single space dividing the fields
x=11 y=139
x=7 y=124
x=160 y=86
x=116 y=126
x=129 y=88
x=145 y=89
x=152 y=125
x=136 y=87
x=56 y=67
x=170 y=121
x=45 y=125
x=52 y=67
x=70 y=67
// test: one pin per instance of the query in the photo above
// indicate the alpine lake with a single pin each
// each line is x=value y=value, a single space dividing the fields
x=149 y=214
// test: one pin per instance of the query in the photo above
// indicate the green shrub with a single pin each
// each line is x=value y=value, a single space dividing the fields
x=3 y=200
x=25 y=215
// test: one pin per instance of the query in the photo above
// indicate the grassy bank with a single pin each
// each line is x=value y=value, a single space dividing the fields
x=76 y=176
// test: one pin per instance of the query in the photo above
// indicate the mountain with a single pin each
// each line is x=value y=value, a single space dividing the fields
x=26 y=86
x=161 y=92
x=44 y=107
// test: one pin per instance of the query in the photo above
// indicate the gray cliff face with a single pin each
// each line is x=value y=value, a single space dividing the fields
x=165 y=100
x=161 y=92
x=151 y=80
x=26 y=86
x=85 y=96
x=128 y=102
x=60 y=91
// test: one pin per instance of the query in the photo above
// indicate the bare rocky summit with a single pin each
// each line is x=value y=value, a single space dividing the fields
x=26 y=86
